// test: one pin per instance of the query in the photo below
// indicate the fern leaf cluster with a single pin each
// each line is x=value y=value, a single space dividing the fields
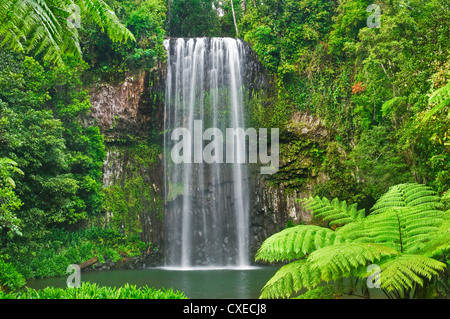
x=406 y=230
x=439 y=99
x=403 y=271
x=336 y=212
x=290 y=279
x=322 y=292
x=41 y=26
x=408 y=195
x=327 y=264
x=296 y=242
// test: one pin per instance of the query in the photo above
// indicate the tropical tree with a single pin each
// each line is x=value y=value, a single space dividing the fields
x=49 y=27
x=406 y=236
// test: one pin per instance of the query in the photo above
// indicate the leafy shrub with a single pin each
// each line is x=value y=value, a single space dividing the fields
x=10 y=278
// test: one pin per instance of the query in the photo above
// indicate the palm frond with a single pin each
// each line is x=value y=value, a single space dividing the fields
x=296 y=242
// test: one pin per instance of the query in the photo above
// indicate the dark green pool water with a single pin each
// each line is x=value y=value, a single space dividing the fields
x=207 y=283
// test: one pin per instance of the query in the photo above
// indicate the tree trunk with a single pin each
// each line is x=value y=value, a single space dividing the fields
x=234 y=18
x=88 y=263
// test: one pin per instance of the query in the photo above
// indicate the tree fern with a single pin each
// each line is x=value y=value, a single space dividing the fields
x=406 y=230
x=40 y=26
x=326 y=264
x=439 y=243
x=296 y=242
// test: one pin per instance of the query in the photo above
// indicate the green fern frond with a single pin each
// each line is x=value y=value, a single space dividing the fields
x=406 y=229
x=40 y=26
x=105 y=18
x=406 y=270
x=335 y=212
x=296 y=242
x=289 y=280
x=322 y=292
x=440 y=99
x=407 y=195
x=339 y=260
x=439 y=243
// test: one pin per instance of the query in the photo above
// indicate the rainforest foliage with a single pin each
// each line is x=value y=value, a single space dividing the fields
x=51 y=149
x=381 y=96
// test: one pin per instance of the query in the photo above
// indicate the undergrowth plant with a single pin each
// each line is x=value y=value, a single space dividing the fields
x=89 y=290
x=406 y=235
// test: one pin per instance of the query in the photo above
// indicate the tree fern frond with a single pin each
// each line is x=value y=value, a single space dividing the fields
x=322 y=292
x=406 y=229
x=407 y=195
x=105 y=18
x=406 y=270
x=440 y=94
x=40 y=26
x=337 y=261
x=335 y=212
x=295 y=242
x=440 y=99
x=439 y=243
x=289 y=280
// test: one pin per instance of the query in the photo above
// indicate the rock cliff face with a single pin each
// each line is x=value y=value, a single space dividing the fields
x=121 y=107
x=135 y=108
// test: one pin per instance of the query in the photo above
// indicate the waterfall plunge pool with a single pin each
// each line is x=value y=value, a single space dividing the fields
x=196 y=283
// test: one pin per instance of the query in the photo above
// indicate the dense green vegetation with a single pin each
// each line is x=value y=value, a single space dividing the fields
x=93 y=291
x=51 y=152
x=375 y=89
x=50 y=255
x=382 y=95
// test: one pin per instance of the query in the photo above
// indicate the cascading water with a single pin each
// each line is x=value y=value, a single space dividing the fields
x=207 y=209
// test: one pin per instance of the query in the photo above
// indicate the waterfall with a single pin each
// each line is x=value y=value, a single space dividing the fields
x=207 y=208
